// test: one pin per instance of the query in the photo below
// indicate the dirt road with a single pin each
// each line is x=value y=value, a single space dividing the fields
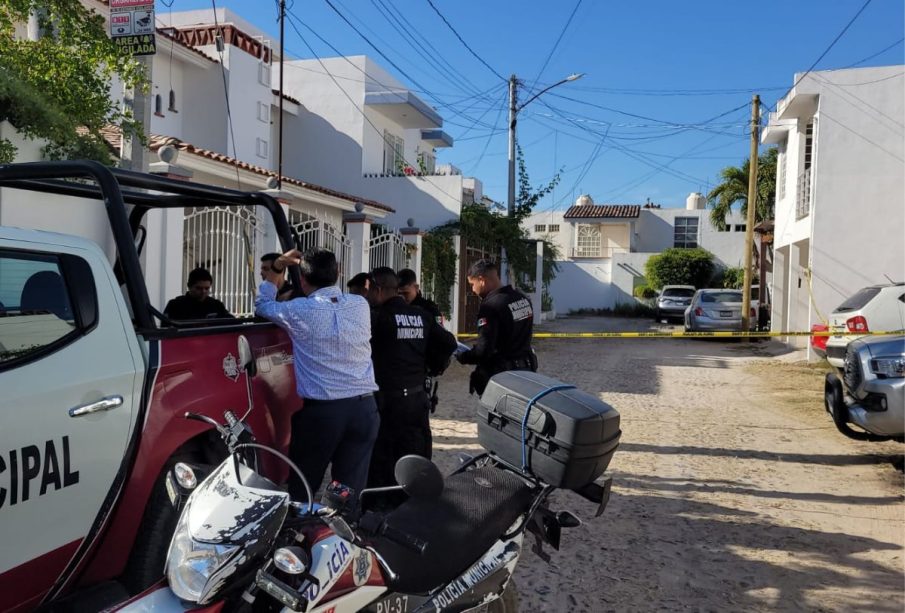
x=732 y=489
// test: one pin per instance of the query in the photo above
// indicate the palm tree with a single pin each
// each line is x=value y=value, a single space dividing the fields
x=734 y=189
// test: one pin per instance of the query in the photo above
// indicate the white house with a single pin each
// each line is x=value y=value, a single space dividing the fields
x=840 y=190
x=364 y=132
x=603 y=248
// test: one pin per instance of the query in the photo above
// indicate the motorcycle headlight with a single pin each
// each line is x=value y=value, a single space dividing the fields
x=891 y=367
x=191 y=564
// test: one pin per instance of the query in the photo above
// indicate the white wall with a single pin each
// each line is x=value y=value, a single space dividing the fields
x=582 y=284
x=857 y=214
x=655 y=231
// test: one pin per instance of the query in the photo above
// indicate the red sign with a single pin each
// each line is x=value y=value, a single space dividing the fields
x=127 y=4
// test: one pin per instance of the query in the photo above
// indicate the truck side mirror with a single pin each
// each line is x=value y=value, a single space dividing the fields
x=246 y=357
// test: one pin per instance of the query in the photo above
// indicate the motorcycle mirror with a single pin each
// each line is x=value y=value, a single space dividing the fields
x=419 y=477
x=342 y=529
x=246 y=357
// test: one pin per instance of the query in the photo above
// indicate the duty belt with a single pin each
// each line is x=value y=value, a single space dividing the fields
x=403 y=392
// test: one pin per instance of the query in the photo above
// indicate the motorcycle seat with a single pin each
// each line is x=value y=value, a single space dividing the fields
x=474 y=511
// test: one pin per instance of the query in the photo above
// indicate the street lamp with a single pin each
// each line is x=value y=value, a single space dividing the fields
x=514 y=108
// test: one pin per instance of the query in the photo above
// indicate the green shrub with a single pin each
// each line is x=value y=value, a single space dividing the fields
x=680 y=267
x=644 y=291
x=632 y=309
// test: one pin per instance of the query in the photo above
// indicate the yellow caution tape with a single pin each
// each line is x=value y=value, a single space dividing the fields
x=695 y=334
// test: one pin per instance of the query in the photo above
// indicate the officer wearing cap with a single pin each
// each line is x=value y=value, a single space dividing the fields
x=406 y=342
x=505 y=325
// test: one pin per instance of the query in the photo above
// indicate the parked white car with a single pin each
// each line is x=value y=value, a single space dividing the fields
x=879 y=308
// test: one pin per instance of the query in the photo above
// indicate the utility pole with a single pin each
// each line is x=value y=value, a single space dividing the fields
x=133 y=155
x=280 y=153
x=752 y=206
x=510 y=199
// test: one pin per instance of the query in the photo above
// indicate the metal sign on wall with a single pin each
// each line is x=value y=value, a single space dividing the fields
x=132 y=26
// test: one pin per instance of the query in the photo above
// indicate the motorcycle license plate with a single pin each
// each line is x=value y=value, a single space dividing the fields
x=725 y=313
x=397 y=603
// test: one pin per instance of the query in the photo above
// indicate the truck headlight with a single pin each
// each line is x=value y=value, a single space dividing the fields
x=889 y=367
x=191 y=564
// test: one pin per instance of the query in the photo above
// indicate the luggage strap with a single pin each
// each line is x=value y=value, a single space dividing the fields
x=531 y=402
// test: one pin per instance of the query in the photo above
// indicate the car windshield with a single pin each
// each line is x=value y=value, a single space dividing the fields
x=858 y=301
x=722 y=297
x=678 y=292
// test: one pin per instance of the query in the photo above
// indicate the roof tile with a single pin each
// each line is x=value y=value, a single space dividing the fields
x=603 y=211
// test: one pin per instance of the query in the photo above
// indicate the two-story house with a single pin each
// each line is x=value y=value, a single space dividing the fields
x=603 y=247
x=840 y=190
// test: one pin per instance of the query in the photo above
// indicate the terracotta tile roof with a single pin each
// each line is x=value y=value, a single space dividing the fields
x=113 y=137
x=604 y=211
x=155 y=142
x=163 y=32
x=276 y=92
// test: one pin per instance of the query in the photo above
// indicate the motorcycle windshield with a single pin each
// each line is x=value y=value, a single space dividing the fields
x=235 y=508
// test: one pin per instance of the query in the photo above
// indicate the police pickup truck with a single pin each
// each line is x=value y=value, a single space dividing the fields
x=95 y=383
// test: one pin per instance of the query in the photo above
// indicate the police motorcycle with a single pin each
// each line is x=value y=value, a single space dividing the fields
x=242 y=544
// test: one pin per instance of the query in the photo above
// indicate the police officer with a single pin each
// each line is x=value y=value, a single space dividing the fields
x=405 y=342
x=411 y=292
x=505 y=324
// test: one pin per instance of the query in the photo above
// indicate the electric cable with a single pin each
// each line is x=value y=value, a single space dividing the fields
x=556 y=44
x=462 y=40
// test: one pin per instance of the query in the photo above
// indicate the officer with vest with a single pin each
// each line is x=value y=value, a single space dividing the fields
x=505 y=325
x=406 y=343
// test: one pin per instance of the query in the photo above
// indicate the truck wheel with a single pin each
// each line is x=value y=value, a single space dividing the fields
x=507 y=602
x=149 y=553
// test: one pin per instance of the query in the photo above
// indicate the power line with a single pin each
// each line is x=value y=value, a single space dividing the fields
x=880 y=52
x=490 y=136
x=360 y=110
x=825 y=51
x=389 y=88
x=229 y=116
x=556 y=44
x=462 y=40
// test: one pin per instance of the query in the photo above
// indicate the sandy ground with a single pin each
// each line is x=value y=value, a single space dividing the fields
x=732 y=489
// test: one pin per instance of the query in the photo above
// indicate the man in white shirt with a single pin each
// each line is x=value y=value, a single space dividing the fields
x=331 y=334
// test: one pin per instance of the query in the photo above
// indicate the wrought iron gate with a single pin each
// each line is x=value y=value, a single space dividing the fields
x=224 y=241
x=387 y=248
x=469 y=303
x=313 y=232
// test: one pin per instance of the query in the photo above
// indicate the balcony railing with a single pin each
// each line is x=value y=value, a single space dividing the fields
x=803 y=197
x=597 y=252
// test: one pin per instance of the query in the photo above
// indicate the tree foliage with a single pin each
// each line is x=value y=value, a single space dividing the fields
x=733 y=189
x=680 y=267
x=58 y=87
x=489 y=228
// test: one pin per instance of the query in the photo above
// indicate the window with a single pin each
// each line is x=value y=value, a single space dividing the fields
x=35 y=311
x=172 y=106
x=264 y=112
x=262 y=148
x=803 y=201
x=686 y=232
x=427 y=162
x=393 y=150
x=158 y=105
x=740 y=227
x=264 y=73
x=540 y=227
x=554 y=228
x=587 y=241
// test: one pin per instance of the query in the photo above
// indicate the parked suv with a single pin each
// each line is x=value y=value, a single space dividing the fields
x=871 y=391
x=673 y=300
x=875 y=308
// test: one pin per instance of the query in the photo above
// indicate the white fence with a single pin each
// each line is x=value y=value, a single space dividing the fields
x=224 y=240
x=387 y=248
x=313 y=232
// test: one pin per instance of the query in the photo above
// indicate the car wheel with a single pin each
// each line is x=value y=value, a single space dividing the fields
x=835 y=406
x=508 y=600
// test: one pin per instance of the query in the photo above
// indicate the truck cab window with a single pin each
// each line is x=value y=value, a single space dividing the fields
x=36 y=311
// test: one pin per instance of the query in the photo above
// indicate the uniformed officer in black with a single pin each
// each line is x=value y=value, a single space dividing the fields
x=409 y=289
x=405 y=342
x=505 y=324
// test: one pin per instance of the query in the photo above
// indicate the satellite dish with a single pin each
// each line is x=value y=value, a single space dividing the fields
x=272 y=183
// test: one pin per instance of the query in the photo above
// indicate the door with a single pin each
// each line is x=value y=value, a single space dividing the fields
x=69 y=382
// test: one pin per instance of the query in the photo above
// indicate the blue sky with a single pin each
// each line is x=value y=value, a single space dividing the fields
x=651 y=68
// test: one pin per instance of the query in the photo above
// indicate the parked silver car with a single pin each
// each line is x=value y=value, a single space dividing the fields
x=869 y=391
x=717 y=310
x=673 y=300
